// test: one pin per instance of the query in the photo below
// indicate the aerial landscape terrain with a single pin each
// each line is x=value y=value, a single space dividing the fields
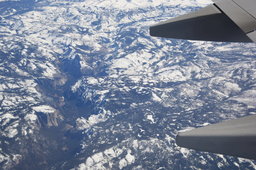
x=84 y=86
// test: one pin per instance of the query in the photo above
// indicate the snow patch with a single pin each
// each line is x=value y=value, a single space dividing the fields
x=83 y=123
x=150 y=118
x=156 y=98
x=44 y=109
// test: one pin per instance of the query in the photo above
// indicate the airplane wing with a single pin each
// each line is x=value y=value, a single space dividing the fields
x=233 y=137
x=225 y=21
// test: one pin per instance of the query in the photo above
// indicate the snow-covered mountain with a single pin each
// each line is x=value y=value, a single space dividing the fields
x=84 y=86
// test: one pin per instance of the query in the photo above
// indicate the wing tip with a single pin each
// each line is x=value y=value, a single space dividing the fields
x=207 y=24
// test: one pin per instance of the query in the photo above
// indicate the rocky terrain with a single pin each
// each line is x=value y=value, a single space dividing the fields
x=84 y=86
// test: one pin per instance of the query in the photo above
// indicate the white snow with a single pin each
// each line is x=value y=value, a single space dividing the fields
x=11 y=130
x=134 y=4
x=92 y=81
x=186 y=129
x=122 y=163
x=110 y=153
x=173 y=75
x=129 y=157
x=83 y=124
x=55 y=26
x=150 y=118
x=44 y=109
x=247 y=97
x=185 y=152
x=97 y=157
x=10 y=133
x=98 y=160
x=6 y=118
x=135 y=144
x=156 y=98
x=76 y=86
x=30 y=117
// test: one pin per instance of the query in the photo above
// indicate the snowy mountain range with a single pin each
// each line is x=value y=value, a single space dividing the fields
x=84 y=86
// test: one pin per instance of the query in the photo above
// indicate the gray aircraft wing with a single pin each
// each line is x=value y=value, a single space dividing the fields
x=225 y=20
x=233 y=137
